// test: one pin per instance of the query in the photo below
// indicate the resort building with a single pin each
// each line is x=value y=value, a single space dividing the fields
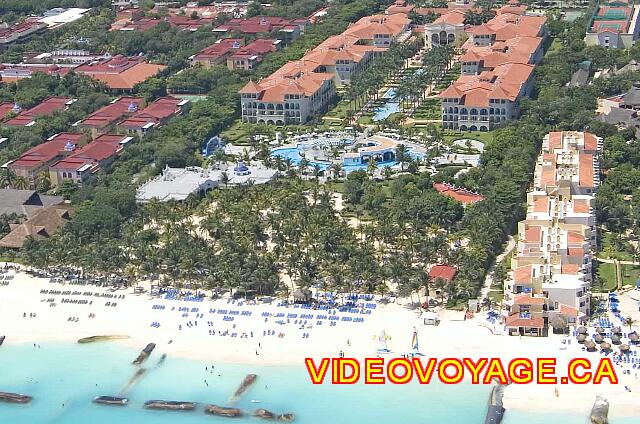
x=27 y=118
x=38 y=159
x=65 y=56
x=614 y=24
x=303 y=89
x=25 y=202
x=60 y=16
x=446 y=30
x=217 y=53
x=40 y=215
x=552 y=270
x=154 y=115
x=287 y=30
x=81 y=164
x=178 y=183
x=7 y=108
x=249 y=56
x=622 y=110
x=120 y=73
x=497 y=71
x=43 y=224
x=377 y=148
x=19 y=31
x=105 y=119
x=182 y=22
x=10 y=72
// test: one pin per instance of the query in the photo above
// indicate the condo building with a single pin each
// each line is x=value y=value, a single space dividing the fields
x=551 y=271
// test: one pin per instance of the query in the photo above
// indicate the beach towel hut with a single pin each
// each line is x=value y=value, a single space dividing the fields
x=599 y=338
x=615 y=339
x=624 y=348
x=600 y=330
x=582 y=330
x=560 y=324
x=616 y=330
x=581 y=338
x=302 y=296
x=429 y=318
x=633 y=337
x=605 y=347
x=590 y=345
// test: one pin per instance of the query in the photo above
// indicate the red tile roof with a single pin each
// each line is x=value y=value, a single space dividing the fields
x=258 y=47
x=541 y=204
x=47 y=151
x=20 y=29
x=586 y=171
x=303 y=76
x=257 y=24
x=568 y=310
x=15 y=72
x=186 y=23
x=453 y=17
x=581 y=206
x=113 y=112
x=103 y=147
x=46 y=108
x=120 y=72
x=532 y=234
x=156 y=113
x=460 y=194
x=527 y=299
x=219 y=49
x=522 y=274
x=572 y=269
x=446 y=272
x=5 y=109
x=533 y=322
x=142 y=24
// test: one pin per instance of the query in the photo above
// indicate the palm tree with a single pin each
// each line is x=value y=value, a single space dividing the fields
x=20 y=183
x=42 y=182
x=336 y=170
x=224 y=178
x=402 y=155
x=6 y=178
x=629 y=321
x=371 y=167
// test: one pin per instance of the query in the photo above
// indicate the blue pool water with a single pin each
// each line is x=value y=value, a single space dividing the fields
x=390 y=107
x=72 y=375
x=293 y=154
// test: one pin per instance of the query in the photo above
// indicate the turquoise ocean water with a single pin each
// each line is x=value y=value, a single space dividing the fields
x=72 y=375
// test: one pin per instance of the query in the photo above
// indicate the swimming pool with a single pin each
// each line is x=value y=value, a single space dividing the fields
x=293 y=154
x=390 y=107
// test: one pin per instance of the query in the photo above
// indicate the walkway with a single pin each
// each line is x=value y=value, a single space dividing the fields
x=488 y=281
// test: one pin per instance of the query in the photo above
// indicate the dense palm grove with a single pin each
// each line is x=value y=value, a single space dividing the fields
x=254 y=239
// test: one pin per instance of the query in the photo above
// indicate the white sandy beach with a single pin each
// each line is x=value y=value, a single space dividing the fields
x=134 y=314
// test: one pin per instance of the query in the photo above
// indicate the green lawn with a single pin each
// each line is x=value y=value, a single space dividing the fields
x=496 y=296
x=485 y=137
x=615 y=248
x=238 y=133
x=630 y=274
x=606 y=274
